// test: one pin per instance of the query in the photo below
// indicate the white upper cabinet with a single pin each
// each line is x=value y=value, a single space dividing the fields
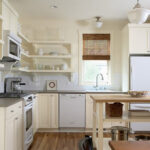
x=139 y=38
x=10 y=17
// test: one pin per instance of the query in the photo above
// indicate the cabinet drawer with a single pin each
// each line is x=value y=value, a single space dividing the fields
x=10 y=111
x=13 y=110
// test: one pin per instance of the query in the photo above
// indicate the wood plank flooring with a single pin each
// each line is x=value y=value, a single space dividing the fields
x=56 y=141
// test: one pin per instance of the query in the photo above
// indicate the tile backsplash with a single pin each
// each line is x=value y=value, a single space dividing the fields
x=39 y=81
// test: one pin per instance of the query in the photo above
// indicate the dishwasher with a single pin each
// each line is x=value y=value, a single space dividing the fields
x=72 y=110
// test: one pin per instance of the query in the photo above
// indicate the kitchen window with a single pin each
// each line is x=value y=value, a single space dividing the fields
x=96 y=58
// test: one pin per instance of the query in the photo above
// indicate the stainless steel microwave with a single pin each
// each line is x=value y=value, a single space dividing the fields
x=12 y=46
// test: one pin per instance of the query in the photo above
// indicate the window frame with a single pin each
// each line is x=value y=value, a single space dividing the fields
x=94 y=83
x=80 y=54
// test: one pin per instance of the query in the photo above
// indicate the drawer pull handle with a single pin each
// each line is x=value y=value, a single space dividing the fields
x=16 y=118
x=12 y=111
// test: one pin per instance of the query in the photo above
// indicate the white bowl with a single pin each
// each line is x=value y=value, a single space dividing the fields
x=138 y=15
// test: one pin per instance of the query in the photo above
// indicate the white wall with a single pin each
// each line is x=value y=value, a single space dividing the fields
x=69 y=31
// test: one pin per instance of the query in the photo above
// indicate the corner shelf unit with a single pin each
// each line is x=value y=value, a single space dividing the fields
x=55 y=55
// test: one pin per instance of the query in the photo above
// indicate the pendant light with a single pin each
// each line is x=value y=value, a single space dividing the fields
x=138 y=14
x=138 y=5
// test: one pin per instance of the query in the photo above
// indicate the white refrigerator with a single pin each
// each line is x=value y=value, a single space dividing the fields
x=140 y=81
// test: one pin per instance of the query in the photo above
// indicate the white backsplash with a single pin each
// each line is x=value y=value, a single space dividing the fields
x=38 y=82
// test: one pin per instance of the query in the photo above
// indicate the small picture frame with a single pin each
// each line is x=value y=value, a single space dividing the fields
x=51 y=85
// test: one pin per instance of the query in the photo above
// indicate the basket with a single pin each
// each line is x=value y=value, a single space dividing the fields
x=114 y=110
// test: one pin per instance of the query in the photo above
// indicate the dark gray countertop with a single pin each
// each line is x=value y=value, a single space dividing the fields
x=79 y=91
x=6 y=102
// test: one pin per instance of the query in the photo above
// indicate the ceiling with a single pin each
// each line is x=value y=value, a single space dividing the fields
x=75 y=9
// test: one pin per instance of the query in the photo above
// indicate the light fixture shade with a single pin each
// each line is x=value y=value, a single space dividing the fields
x=99 y=24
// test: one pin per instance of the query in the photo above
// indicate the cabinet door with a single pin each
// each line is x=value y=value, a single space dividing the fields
x=53 y=100
x=48 y=110
x=11 y=125
x=6 y=16
x=43 y=111
x=138 y=40
x=19 y=130
x=35 y=115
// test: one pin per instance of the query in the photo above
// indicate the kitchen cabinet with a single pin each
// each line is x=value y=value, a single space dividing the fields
x=47 y=110
x=139 y=39
x=10 y=17
x=56 y=56
x=35 y=115
x=89 y=114
x=135 y=40
x=12 y=125
x=14 y=133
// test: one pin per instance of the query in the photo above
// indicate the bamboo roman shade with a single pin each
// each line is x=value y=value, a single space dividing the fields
x=96 y=46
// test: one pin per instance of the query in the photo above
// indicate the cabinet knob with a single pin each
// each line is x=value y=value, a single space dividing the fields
x=19 y=106
x=16 y=118
x=12 y=111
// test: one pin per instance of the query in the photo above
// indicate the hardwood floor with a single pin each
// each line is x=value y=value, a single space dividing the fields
x=56 y=141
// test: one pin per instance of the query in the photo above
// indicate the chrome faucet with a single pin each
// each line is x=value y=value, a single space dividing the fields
x=97 y=77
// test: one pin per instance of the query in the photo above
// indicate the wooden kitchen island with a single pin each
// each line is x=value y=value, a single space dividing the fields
x=100 y=118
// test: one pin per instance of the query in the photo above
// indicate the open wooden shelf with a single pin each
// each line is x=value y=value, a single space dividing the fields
x=50 y=42
x=44 y=71
x=126 y=118
x=47 y=56
x=24 y=37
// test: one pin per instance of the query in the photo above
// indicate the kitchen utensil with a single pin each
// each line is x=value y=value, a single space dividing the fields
x=40 y=66
x=138 y=93
x=119 y=133
x=47 y=67
x=53 y=53
x=40 y=52
x=64 y=67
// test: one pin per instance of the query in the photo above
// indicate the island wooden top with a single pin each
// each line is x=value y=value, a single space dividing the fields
x=119 y=98
x=130 y=145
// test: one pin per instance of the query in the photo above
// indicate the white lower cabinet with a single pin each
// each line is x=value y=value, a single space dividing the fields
x=14 y=133
x=10 y=134
x=47 y=110
x=12 y=124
